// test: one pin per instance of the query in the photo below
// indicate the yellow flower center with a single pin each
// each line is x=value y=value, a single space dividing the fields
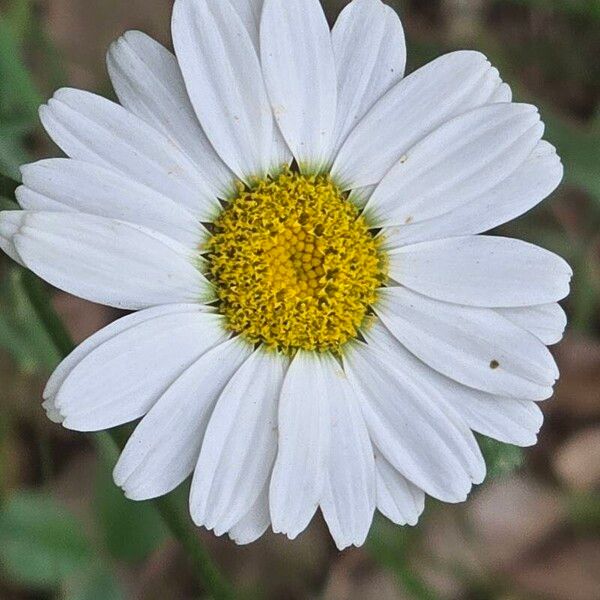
x=294 y=264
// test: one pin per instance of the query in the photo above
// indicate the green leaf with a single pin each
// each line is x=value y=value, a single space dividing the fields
x=41 y=543
x=8 y=204
x=98 y=583
x=131 y=530
x=579 y=151
x=12 y=152
x=501 y=459
x=21 y=333
x=392 y=547
x=20 y=95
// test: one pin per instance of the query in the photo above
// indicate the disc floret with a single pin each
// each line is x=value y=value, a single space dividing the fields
x=294 y=264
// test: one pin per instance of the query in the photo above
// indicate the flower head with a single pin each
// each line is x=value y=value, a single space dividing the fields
x=319 y=323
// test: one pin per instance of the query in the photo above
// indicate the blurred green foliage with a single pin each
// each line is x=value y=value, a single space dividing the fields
x=42 y=544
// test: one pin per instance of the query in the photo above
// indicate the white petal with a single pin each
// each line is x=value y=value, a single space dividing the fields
x=547 y=322
x=397 y=498
x=348 y=500
x=240 y=444
x=250 y=12
x=508 y=420
x=165 y=446
x=503 y=93
x=88 y=188
x=106 y=333
x=421 y=102
x=370 y=56
x=93 y=129
x=302 y=458
x=148 y=83
x=10 y=223
x=109 y=262
x=299 y=70
x=122 y=378
x=224 y=81
x=533 y=181
x=482 y=270
x=458 y=162
x=412 y=426
x=255 y=522
x=474 y=346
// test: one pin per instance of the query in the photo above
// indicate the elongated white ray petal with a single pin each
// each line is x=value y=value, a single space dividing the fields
x=508 y=420
x=303 y=454
x=533 y=181
x=108 y=261
x=348 y=500
x=397 y=498
x=148 y=83
x=165 y=446
x=421 y=102
x=547 y=322
x=225 y=84
x=474 y=346
x=121 y=379
x=240 y=444
x=93 y=129
x=299 y=69
x=10 y=223
x=482 y=270
x=255 y=522
x=106 y=333
x=370 y=56
x=456 y=163
x=412 y=426
x=75 y=185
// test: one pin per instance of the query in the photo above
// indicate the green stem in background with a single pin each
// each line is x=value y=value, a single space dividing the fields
x=109 y=444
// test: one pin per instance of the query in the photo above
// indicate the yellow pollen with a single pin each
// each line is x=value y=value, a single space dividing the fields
x=294 y=264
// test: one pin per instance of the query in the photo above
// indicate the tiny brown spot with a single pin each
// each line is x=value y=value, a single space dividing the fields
x=408 y=220
x=494 y=364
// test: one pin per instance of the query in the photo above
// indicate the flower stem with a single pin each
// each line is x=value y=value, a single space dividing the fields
x=172 y=514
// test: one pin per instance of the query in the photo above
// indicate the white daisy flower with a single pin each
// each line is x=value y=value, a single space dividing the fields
x=319 y=323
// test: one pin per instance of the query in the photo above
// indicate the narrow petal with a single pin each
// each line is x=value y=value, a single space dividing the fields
x=480 y=270
x=10 y=223
x=88 y=188
x=533 y=181
x=250 y=12
x=255 y=522
x=474 y=346
x=225 y=84
x=240 y=444
x=397 y=498
x=370 y=56
x=459 y=161
x=348 y=500
x=106 y=333
x=508 y=420
x=148 y=83
x=302 y=458
x=93 y=129
x=412 y=426
x=421 y=102
x=547 y=322
x=299 y=70
x=122 y=378
x=165 y=446
x=109 y=262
